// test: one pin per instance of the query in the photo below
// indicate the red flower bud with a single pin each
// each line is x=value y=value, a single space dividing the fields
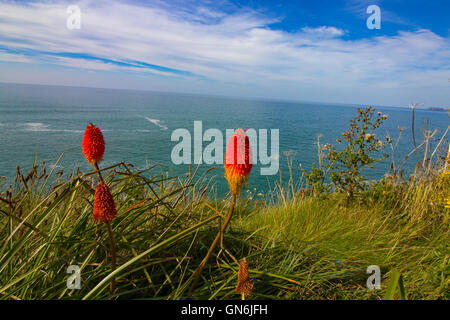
x=93 y=144
x=104 y=206
x=238 y=161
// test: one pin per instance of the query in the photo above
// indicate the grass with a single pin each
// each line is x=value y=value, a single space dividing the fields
x=328 y=248
x=297 y=245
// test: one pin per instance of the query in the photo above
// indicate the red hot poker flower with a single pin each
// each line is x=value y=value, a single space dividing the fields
x=238 y=161
x=104 y=206
x=93 y=144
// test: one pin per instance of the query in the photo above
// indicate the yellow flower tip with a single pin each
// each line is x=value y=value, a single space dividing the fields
x=235 y=179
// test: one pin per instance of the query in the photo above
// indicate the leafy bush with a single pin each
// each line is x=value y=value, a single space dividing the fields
x=360 y=142
x=315 y=178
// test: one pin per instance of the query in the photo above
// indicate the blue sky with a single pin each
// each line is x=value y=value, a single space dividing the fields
x=296 y=50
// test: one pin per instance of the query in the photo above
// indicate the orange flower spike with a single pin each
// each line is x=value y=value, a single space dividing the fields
x=104 y=206
x=238 y=161
x=93 y=144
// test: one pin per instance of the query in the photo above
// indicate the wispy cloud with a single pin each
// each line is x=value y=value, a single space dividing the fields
x=12 y=57
x=323 y=31
x=238 y=48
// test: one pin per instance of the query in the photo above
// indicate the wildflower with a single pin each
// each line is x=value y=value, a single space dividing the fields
x=244 y=286
x=384 y=117
x=369 y=136
x=104 y=206
x=93 y=144
x=238 y=161
x=238 y=164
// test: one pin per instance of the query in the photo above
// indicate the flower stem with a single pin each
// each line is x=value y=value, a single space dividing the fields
x=98 y=171
x=112 y=244
x=199 y=269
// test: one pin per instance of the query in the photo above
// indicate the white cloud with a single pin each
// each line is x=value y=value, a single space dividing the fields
x=324 y=31
x=238 y=49
x=12 y=57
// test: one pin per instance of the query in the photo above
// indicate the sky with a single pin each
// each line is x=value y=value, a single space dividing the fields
x=292 y=50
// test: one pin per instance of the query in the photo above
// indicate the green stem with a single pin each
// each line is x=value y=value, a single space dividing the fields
x=113 y=257
x=413 y=134
x=213 y=245
x=98 y=172
x=10 y=227
x=112 y=243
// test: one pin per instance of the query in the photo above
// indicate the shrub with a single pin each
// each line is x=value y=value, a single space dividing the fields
x=360 y=142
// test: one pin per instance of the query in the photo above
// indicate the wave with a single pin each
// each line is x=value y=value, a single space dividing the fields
x=36 y=126
x=55 y=166
x=156 y=122
x=133 y=130
x=42 y=127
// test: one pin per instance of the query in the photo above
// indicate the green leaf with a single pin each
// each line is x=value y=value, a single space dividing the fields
x=164 y=244
x=396 y=281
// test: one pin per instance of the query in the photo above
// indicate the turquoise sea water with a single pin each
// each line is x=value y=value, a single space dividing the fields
x=137 y=127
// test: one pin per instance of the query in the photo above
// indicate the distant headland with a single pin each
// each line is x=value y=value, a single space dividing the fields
x=438 y=109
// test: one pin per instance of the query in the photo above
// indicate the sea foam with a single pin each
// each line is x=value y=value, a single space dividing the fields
x=156 y=122
x=42 y=127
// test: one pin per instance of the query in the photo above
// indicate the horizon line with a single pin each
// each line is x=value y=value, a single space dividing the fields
x=232 y=97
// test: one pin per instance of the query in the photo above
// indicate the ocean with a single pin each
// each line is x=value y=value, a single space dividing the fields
x=49 y=120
